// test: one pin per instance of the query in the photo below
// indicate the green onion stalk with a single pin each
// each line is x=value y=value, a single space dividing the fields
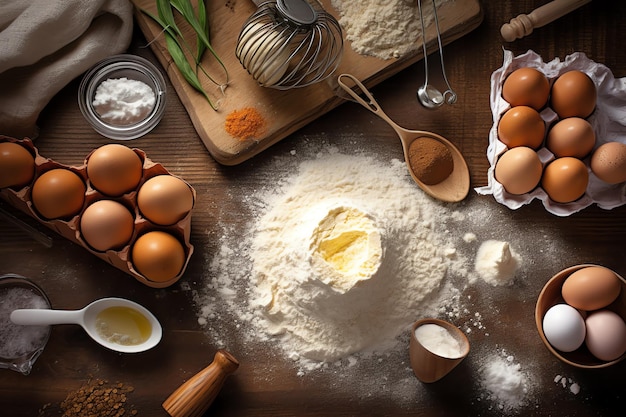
x=187 y=61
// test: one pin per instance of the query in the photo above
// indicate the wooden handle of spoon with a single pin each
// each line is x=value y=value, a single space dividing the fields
x=195 y=396
x=524 y=24
x=371 y=104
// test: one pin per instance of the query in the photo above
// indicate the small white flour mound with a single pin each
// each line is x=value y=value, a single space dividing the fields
x=469 y=237
x=505 y=382
x=382 y=28
x=497 y=262
x=123 y=101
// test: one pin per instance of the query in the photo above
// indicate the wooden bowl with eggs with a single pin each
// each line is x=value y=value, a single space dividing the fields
x=584 y=286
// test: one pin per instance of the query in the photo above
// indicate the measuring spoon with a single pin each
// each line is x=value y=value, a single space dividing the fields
x=429 y=96
x=452 y=189
x=117 y=313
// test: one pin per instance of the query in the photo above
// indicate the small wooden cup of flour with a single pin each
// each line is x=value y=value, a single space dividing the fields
x=436 y=348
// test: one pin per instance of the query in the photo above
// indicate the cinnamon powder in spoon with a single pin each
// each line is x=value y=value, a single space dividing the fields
x=430 y=160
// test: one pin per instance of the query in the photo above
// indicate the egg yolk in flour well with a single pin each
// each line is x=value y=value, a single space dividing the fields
x=346 y=247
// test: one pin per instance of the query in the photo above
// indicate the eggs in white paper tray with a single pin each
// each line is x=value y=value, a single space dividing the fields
x=608 y=121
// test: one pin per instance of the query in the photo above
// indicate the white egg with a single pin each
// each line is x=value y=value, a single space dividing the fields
x=564 y=327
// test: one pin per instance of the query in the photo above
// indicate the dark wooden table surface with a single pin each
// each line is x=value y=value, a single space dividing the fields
x=266 y=383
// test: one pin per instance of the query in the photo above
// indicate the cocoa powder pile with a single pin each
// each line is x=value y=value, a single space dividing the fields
x=430 y=160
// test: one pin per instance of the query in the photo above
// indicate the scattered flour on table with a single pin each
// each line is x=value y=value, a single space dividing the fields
x=383 y=28
x=567 y=383
x=506 y=383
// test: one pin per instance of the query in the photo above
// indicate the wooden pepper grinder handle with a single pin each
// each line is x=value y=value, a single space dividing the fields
x=524 y=24
x=195 y=396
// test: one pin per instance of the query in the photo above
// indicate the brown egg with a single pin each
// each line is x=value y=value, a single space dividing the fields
x=58 y=193
x=114 y=169
x=521 y=126
x=526 y=87
x=518 y=170
x=591 y=288
x=571 y=137
x=106 y=224
x=17 y=165
x=158 y=256
x=608 y=162
x=573 y=95
x=565 y=179
x=165 y=199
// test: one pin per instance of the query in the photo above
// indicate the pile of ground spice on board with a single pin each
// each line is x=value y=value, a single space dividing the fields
x=98 y=398
x=246 y=123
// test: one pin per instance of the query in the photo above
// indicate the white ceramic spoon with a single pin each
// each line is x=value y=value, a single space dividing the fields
x=127 y=314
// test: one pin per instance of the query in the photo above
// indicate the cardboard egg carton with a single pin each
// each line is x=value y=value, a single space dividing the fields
x=69 y=228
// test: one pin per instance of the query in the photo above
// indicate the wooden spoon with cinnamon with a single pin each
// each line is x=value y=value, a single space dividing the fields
x=441 y=171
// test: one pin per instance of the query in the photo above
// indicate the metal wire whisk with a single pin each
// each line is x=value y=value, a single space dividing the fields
x=288 y=44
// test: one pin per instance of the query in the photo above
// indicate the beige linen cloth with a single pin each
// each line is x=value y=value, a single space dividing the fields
x=45 y=44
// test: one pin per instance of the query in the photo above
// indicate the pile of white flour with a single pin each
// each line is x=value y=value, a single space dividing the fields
x=384 y=28
x=269 y=281
x=312 y=318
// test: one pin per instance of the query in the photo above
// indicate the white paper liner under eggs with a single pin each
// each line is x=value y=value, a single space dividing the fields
x=608 y=121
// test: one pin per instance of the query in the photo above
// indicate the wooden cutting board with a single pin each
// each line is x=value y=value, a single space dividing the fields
x=284 y=111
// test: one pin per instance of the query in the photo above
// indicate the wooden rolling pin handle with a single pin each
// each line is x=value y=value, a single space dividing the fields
x=524 y=24
x=195 y=396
